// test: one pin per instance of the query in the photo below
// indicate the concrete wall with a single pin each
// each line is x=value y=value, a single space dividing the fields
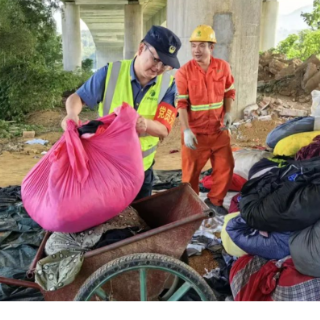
x=71 y=36
x=105 y=54
x=159 y=19
x=133 y=29
x=237 y=26
x=269 y=22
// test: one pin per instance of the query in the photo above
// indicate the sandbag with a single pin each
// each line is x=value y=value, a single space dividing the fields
x=84 y=181
x=291 y=145
x=305 y=250
x=268 y=245
x=231 y=248
x=294 y=126
x=244 y=159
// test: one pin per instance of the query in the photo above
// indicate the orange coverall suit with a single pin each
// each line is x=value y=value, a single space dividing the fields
x=202 y=94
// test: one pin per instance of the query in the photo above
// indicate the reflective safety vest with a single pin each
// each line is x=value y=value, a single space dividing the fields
x=118 y=89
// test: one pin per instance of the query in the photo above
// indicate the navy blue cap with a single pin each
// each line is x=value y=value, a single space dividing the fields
x=166 y=43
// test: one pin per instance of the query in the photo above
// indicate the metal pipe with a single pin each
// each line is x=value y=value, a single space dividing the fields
x=30 y=272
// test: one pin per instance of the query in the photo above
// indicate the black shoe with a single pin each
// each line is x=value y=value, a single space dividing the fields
x=216 y=209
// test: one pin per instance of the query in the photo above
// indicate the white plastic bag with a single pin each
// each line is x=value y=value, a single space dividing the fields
x=315 y=108
x=244 y=159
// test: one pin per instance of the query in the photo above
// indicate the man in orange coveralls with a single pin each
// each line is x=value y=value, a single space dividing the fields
x=205 y=95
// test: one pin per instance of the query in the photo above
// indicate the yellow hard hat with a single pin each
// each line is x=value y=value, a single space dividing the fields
x=203 y=33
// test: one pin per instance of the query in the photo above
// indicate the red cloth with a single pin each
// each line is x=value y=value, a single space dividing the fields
x=207 y=182
x=310 y=151
x=83 y=182
x=234 y=205
x=237 y=182
x=255 y=279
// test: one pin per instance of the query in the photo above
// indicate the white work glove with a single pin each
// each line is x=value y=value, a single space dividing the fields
x=190 y=139
x=226 y=121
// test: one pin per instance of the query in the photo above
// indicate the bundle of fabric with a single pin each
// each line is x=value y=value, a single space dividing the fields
x=310 y=151
x=9 y=196
x=289 y=146
x=218 y=278
x=283 y=199
x=305 y=250
x=166 y=179
x=65 y=251
x=20 y=238
x=236 y=184
x=202 y=240
x=291 y=127
x=231 y=248
x=234 y=205
x=244 y=159
x=265 y=165
x=253 y=278
x=268 y=245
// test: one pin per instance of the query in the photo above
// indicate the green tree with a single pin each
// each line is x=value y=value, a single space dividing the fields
x=305 y=43
x=31 y=71
x=286 y=45
x=27 y=30
x=309 y=43
x=313 y=19
x=87 y=64
x=300 y=46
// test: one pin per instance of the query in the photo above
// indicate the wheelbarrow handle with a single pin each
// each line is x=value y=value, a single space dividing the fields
x=209 y=213
x=39 y=255
x=19 y=283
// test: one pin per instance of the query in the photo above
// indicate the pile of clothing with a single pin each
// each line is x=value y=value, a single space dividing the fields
x=20 y=238
x=275 y=228
x=293 y=138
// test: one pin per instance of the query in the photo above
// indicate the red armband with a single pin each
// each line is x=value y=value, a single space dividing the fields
x=166 y=114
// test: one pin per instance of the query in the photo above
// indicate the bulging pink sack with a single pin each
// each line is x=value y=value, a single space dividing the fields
x=82 y=182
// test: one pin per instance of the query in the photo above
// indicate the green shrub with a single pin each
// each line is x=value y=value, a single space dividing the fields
x=31 y=71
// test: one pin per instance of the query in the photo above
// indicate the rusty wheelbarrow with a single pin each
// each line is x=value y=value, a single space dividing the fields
x=145 y=266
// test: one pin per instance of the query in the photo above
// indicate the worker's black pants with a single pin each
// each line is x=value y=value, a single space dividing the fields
x=146 y=188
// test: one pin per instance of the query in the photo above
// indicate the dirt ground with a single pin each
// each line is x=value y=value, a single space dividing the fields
x=254 y=134
x=164 y=159
x=18 y=158
x=203 y=263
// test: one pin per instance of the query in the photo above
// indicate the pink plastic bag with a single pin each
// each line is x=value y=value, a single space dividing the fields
x=83 y=182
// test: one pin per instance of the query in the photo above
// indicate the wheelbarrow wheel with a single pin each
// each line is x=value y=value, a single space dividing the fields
x=142 y=262
x=177 y=282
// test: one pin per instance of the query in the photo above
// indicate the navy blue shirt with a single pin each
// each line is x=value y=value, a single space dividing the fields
x=92 y=91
